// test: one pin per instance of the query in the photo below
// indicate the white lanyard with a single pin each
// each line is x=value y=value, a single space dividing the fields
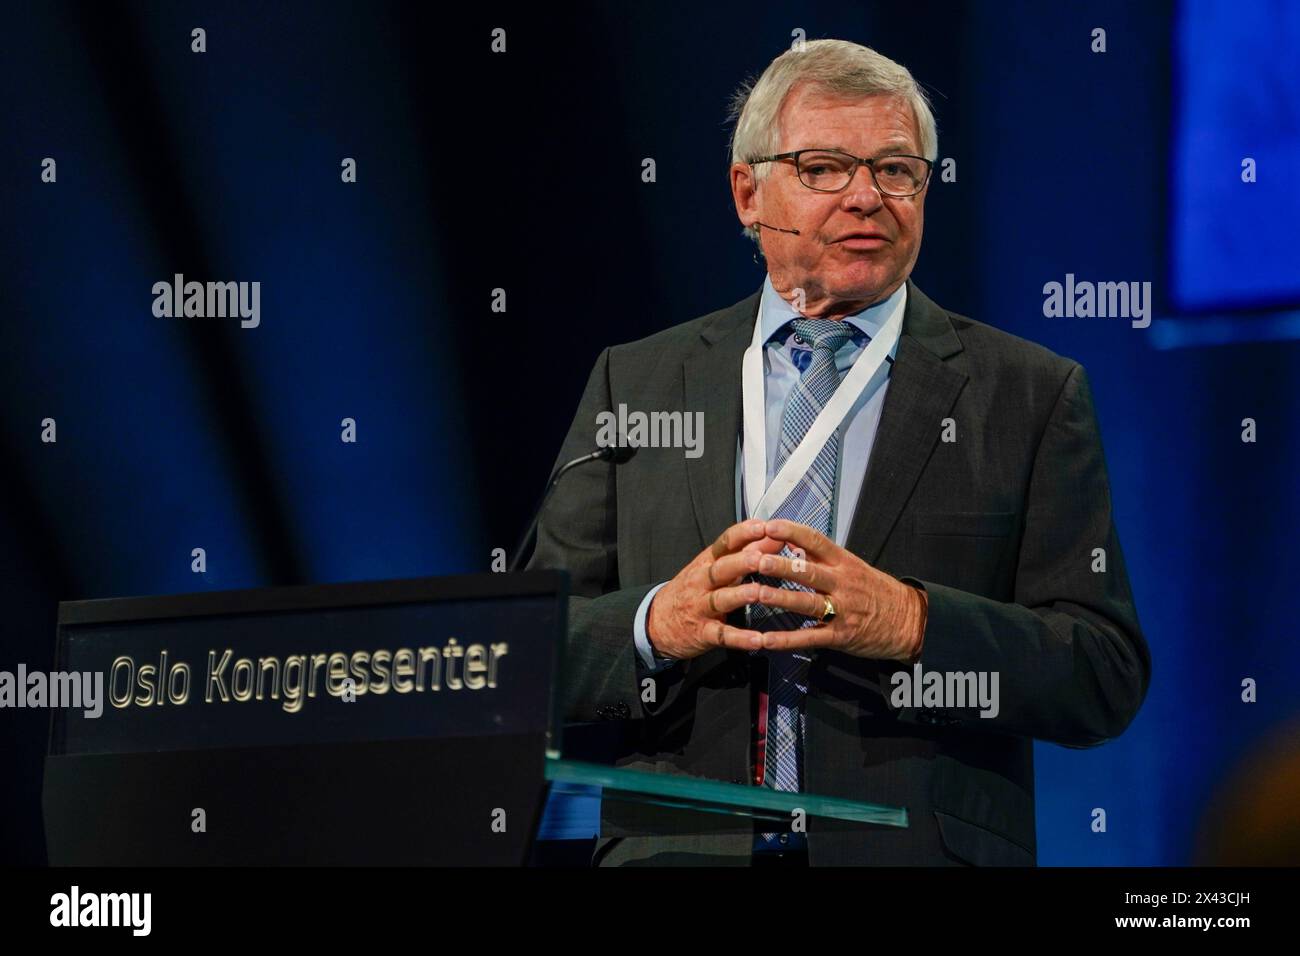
x=863 y=377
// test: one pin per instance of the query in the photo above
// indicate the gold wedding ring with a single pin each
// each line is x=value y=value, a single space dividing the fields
x=828 y=612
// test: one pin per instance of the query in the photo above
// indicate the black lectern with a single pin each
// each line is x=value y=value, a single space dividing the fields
x=394 y=722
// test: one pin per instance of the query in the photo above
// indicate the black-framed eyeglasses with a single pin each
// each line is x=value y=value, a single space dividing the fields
x=831 y=170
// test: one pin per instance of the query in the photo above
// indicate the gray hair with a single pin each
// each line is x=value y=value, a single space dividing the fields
x=840 y=69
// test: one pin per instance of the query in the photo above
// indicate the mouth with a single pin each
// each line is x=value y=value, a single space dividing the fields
x=862 y=241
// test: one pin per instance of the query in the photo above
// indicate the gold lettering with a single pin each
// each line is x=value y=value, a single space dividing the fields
x=263 y=665
x=317 y=662
x=146 y=670
x=360 y=673
x=245 y=667
x=182 y=696
x=295 y=666
x=121 y=700
x=217 y=676
x=450 y=653
x=380 y=661
x=403 y=669
x=338 y=673
x=435 y=670
x=475 y=665
x=499 y=650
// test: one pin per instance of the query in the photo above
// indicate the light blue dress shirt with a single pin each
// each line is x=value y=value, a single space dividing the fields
x=780 y=374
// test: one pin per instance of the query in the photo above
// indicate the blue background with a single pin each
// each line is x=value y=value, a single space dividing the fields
x=522 y=172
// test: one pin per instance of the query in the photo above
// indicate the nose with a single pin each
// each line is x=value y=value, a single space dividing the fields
x=861 y=194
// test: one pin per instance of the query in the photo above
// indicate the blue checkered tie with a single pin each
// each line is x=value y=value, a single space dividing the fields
x=808 y=503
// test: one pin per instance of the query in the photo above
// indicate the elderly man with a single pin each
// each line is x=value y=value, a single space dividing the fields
x=887 y=491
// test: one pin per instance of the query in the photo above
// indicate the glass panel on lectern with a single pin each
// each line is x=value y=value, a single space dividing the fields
x=686 y=759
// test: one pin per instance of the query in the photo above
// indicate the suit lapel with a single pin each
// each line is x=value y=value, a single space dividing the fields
x=712 y=383
x=922 y=391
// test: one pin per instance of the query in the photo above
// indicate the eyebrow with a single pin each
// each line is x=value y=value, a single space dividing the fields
x=890 y=149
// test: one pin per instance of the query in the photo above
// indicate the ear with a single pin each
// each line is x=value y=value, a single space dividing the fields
x=744 y=192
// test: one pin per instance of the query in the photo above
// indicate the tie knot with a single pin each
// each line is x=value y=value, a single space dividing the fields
x=823 y=333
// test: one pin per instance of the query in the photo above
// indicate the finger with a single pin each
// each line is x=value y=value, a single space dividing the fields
x=807 y=603
x=813 y=542
x=736 y=638
x=814 y=575
x=736 y=537
x=725 y=600
x=727 y=570
x=801 y=639
x=732 y=567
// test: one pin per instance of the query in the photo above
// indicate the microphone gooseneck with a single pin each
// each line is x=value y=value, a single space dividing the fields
x=615 y=454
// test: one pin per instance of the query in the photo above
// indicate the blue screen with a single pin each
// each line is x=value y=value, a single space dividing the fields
x=1237 y=97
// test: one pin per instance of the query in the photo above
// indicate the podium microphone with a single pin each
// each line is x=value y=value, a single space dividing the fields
x=618 y=454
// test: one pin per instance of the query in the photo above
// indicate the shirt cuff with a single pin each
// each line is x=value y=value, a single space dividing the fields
x=648 y=657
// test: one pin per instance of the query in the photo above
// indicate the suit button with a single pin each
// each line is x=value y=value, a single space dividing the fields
x=784 y=838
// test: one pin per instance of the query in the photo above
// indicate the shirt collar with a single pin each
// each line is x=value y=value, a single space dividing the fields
x=777 y=312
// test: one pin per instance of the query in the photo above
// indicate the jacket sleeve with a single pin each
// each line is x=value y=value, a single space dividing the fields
x=1072 y=664
x=578 y=532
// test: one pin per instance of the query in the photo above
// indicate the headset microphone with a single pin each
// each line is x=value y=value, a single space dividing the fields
x=776 y=228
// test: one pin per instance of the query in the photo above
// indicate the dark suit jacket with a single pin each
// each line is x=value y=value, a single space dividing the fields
x=999 y=527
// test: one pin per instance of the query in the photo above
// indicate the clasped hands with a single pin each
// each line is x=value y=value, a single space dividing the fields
x=876 y=615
